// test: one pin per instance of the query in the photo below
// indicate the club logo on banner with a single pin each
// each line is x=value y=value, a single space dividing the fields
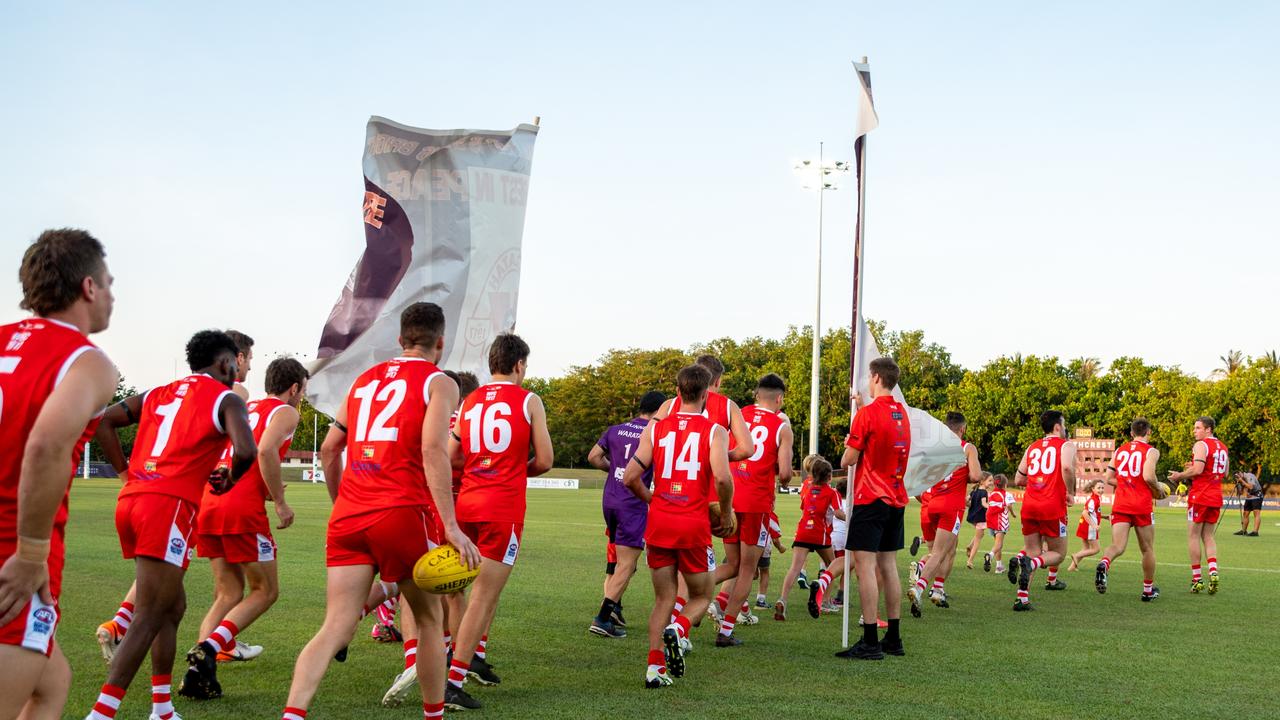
x=443 y=214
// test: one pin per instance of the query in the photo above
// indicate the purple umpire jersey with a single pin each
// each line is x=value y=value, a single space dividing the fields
x=620 y=442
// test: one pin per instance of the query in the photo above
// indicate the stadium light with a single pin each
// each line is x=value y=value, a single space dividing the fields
x=820 y=175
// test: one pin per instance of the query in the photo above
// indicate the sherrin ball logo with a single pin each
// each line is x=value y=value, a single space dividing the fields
x=440 y=571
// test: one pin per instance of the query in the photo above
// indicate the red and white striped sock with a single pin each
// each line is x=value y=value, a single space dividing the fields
x=682 y=624
x=410 y=653
x=458 y=672
x=1148 y=586
x=1195 y=573
x=824 y=580
x=675 y=611
x=1106 y=563
x=161 y=700
x=1037 y=562
x=1023 y=597
x=1021 y=553
x=722 y=601
x=484 y=640
x=938 y=584
x=292 y=713
x=223 y=637
x=921 y=584
x=108 y=703
x=430 y=711
x=726 y=625
x=448 y=641
x=746 y=610
x=1213 y=566
x=123 y=617
x=1053 y=573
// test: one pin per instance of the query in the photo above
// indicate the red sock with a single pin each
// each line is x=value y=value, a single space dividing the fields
x=1037 y=562
x=1106 y=563
x=292 y=713
x=683 y=623
x=1213 y=566
x=448 y=641
x=938 y=583
x=1195 y=573
x=432 y=710
x=1053 y=573
x=726 y=625
x=410 y=653
x=658 y=658
x=680 y=603
x=108 y=703
x=124 y=616
x=161 y=699
x=1023 y=597
x=722 y=600
x=223 y=637
x=824 y=580
x=458 y=672
x=484 y=640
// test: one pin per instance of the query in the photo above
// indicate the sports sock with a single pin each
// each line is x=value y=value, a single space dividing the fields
x=605 y=608
x=675 y=611
x=1053 y=573
x=458 y=672
x=1037 y=562
x=722 y=601
x=683 y=624
x=891 y=633
x=869 y=633
x=1213 y=566
x=938 y=583
x=1021 y=553
x=123 y=617
x=1023 y=597
x=448 y=641
x=921 y=584
x=161 y=700
x=410 y=653
x=108 y=703
x=657 y=659
x=746 y=609
x=1195 y=573
x=726 y=625
x=292 y=713
x=430 y=711
x=760 y=598
x=223 y=637
x=824 y=580
x=1106 y=563
x=1147 y=586
x=480 y=648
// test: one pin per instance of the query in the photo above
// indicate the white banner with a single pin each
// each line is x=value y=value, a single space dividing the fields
x=443 y=220
x=546 y=483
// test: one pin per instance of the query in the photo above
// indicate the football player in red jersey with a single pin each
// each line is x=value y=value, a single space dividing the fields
x=394 y=426
x=54 y=383
x=755 y=482
x=234 y=532
x=182 y=431
x=1048 y=471
x=876 y=453
x=945 y=515
x=1209 y=464
x=501 y=440
x=244 y=358
x=689 y=455
x=1133 y=473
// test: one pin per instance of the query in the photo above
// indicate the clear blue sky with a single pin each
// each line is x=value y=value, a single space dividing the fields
x=1037 y=168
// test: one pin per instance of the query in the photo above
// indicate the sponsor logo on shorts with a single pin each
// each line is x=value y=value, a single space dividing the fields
x=1062 y=528
x=513 y=549
x=266 y=549
x=711 y=559
x=41 y=621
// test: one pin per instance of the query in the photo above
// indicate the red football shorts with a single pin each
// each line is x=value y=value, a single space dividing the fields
x=160 y=527
x=687 y=560
x=1203 y=514
x=1142 y=520
x=390 y=540
x=1084 y=532
x=497 y=541
x=237 y=547
x=34 y=627
x=1044 y=528
x=931 y=522
x=753 y=529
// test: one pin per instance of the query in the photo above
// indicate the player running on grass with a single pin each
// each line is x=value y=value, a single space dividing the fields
x=946 y=510
x=755 y=483
x=688 y=454
x=501 y=440
x=1047 y=469
x=819 y=502
x=1090 y=526
x=394 y=426
x=1000 y=504
x=1209 y=465
x=183 y=429
x=233 y=530
x=624 y=513
x=1133 y=473
x=54 y=383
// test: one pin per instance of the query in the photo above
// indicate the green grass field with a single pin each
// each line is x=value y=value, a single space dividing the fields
x=1080 y=655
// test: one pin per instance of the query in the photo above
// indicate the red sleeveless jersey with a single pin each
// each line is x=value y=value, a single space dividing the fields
x=242 y=509
x=716 y=410
x=1046 y=495
x=754 y=479
x=179 y=440
x=385 y=410
x=683 y=484
x=495 y=433
x=35 y=354
x=948 y=494
x=1206 y=488
x=1133 y=495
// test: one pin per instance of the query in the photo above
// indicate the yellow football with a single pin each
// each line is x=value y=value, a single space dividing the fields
x=1164 y=491
x=441 y=572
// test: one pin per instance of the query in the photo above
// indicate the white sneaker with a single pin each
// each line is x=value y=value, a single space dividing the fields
x=404 y=683
x=714 y=611
x=241 y=653
x=656 y=678
x=747 y=619
x=914 y=575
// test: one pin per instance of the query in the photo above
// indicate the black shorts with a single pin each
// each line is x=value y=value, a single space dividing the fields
x=763 y=562
x=876 y=527
x=1251 y=504
x=809 y=546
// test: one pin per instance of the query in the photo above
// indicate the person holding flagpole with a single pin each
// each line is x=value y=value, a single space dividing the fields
x=876 y=453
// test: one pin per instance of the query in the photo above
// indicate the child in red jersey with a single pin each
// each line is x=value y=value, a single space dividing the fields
x=1091 y=518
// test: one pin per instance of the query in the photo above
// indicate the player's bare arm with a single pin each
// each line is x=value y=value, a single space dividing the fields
x=849 y=459
x=331 y=452
x=663 y=411
x=975 y=466
x=234 y=416
x=1020 y=477
x=744 y=446
x=720 y=470
x=1149 y=472
x=1199 y=455
x=1069 y=470
x=786 y=441
x=597 y=458
x=82 y=394
x=543 y=454
x=442 y=398
x=122 y=414
x=641 y=461
x=283 y=423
